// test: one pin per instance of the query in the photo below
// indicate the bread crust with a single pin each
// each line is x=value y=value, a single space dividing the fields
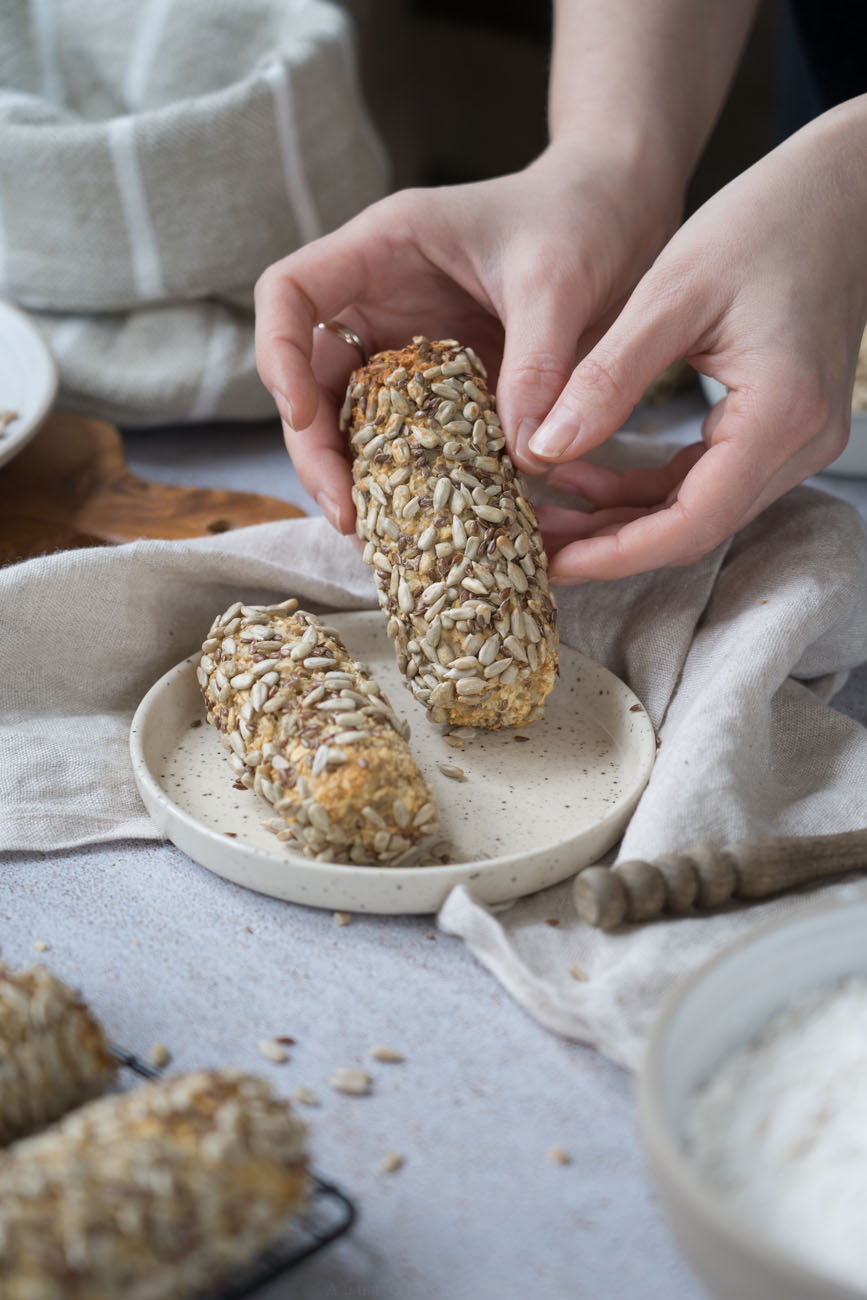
x=460 y=567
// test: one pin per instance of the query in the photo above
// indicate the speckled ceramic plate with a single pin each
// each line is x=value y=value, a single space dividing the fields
x=28 y=379
x=537 y=804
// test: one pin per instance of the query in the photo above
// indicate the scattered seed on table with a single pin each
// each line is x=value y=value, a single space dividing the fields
x=272 y=1051
x=558 y=1156
x=578 y=972
x=390 y=1162
x=346 y=1078
x=40 y=945
x=341 y=918
x=305 y=1096
x=450 y=770
x=387 y=1054
x=159 y=1055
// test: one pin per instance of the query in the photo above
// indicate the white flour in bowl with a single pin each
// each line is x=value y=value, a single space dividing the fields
x=779 y=1130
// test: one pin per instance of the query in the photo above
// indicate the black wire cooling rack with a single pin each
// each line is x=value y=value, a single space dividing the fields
x=328 y=1215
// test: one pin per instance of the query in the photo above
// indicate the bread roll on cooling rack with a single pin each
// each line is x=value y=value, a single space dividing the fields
x=154 y=1194
x=311 y=732
x=53 y=1052
x=459 y=563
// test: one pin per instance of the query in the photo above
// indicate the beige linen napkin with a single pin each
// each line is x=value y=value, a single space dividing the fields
x=734 y=658
x=155 y=157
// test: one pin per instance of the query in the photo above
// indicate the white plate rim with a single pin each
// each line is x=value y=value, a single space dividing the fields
x=28 y=425
x=179 y=825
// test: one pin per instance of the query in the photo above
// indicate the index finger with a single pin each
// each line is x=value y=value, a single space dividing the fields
x=313 y=284
x=713 y=502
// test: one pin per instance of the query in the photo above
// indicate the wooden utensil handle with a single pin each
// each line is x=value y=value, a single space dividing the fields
x=710 y=875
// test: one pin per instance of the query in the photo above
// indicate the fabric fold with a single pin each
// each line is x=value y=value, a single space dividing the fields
x=734 y=658
x=154 y=160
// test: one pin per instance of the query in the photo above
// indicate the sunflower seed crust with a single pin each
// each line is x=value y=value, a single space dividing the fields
x=53 y=1052
x=311 y=733
x=460 y=569
x=154 y=1194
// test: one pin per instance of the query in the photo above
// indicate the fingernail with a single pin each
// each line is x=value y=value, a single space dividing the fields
x=526 y=428
x=565 y=582
x=284 y=406
x=329 y=508
x=555 y=436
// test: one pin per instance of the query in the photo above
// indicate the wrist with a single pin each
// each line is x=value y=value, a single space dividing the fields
x=639 y=177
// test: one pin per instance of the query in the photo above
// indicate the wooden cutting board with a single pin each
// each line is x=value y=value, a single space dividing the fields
x=71 y=486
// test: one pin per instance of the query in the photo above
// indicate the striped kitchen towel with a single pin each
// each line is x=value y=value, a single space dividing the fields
x=155 y=157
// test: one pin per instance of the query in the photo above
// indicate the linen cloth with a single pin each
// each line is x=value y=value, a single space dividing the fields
x=734 y=658
x=155 y=157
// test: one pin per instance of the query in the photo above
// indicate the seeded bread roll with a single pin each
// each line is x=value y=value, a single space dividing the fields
x=311 y=732
x=153 y=1194
x=53 y=1053
x=458 y=559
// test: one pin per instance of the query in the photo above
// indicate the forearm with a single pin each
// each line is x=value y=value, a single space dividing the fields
x=645 y=77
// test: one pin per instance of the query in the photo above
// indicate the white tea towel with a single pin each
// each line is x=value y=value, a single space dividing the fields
x=154 y=158
x=735 y=659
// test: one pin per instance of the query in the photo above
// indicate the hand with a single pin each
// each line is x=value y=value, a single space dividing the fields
x=519 y=267
x=765 y=289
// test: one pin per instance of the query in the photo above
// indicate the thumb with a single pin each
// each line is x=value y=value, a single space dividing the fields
x=542 y=327
x=651 y=331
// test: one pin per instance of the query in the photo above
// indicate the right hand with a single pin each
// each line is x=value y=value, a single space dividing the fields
x=528 y=269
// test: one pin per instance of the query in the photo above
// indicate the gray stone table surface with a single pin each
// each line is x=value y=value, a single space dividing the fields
x=166 y=951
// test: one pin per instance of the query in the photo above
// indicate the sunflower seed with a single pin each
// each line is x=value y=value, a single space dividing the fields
x=465 y=664
x=405 y=598
x=450 y=770
x=351 y=737
x=349 y=1080
x=442 y=493
x=272 y=1051
x=491 y=514
x=489 y=651
x=390 y=1162
x=388 y=1054
x=497 y=667
x=515 y=649
x=531 y=629
x=470 y=686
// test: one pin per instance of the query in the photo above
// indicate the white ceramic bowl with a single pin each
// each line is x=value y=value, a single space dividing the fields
x=28 y=379
x=852 y=461
x=706 y=1016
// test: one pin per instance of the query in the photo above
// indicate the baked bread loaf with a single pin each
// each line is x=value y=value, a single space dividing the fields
x=311 y=732
x=159 y=1192
x=459 y=563
x=53 y=1052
